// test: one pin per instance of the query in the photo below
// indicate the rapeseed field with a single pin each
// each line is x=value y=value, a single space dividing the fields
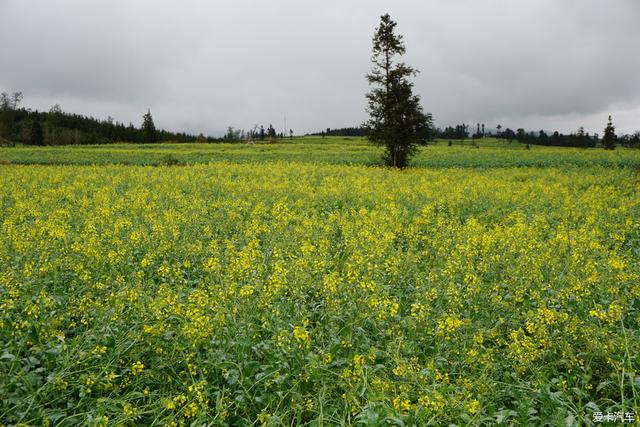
x=288 y=293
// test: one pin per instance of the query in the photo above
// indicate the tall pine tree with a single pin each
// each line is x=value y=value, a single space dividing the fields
x=149 y=133
x=396 y=120
x=609 y=138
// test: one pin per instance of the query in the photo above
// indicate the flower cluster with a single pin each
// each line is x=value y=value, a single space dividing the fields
x=266 y=292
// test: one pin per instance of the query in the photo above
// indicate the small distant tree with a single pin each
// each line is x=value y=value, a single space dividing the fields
x=477 y=134
x=609 y=137
x=37 y=136
x=55 y=115
x=262 y=133
x=272 y=132
x=462 y=131
x=8 y=108
x=509 y=135
x=581 y=138
x=149 y=132
x=543 y=138
x=290 y=133
x=4 y=114
x=5 y=101
x=397 y=120
x=16 y=99
x=231 y=134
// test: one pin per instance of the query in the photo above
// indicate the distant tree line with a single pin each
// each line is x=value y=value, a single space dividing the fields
x=631 y=141
x=56 y=127
x=348 y=131
x=580 y=138
x=451 y=132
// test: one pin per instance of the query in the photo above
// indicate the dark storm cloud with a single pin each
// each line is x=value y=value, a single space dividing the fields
x=204 y=65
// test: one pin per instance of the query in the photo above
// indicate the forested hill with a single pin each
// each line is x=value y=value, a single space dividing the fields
x=18 y=125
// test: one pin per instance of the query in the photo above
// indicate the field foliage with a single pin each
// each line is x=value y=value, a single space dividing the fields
x=292 y=292
x=490 y=153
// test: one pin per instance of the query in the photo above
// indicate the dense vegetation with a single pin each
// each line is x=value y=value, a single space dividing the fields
x=254 y=289
x=483 y=154
x=55 y=127
x=348 y=131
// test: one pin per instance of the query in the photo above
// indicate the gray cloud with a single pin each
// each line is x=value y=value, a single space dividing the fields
x=202 y=65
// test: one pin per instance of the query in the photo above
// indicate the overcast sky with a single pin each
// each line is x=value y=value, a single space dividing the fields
x=204 y=65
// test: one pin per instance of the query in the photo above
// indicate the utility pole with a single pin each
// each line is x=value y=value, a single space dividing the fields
x=285 y=125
